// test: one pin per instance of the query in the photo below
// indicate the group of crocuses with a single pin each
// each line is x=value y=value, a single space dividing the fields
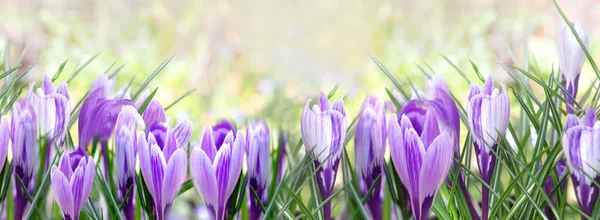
x=138 y=131
x=423 y=137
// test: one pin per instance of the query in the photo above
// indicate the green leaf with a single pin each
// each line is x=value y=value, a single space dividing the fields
x=147 y=101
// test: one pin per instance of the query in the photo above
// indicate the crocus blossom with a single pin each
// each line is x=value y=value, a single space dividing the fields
x=72 y=182
x=323 y=132
x=571 y=59
x=124 y=161
x=52 y=108
x=25 y=152
x=369 y=143
x=215 y=170
x=164 y=171
x=580 y=146
x=422 y=155
x=259 y=165
x=488 y=112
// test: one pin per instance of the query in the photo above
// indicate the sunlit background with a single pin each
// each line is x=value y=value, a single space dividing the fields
x=250 y=59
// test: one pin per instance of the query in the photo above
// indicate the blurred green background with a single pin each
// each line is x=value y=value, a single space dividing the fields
x=250 y=59
x=265 y=58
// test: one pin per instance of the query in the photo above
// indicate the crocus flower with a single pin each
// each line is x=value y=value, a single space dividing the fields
x=258 y=150
x=163 y=169
x=488 y=111
x=369 y=143
x=580 y=145
x=52 y=107
x=4 y=140
x=422 y=151
x=157 y=124
x=571 y=58
x=323 y=132
x=25 y=152
x=215 y=171
x=72 y=182
x=126 y=136
x=97 y=117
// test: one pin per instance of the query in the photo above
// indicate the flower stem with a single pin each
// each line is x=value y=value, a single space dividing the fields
x=485 y=203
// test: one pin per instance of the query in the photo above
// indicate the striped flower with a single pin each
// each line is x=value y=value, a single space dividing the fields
x=580 y=145
x=369 y=143
x=422 y=151
x=323 y=132
x=25 y=152
x=215 y=170
x=72 y=182
x=258 y=150
x=488 y=111
x=571 y=59
x=126 y=146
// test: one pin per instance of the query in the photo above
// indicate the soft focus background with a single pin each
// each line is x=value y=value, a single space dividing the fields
x=249 y=59
x=264 y=58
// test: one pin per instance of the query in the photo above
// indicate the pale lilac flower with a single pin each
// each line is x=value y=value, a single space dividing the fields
x=421 y=160
x=571 y=58
x=369 y=144
x=25 y=152
x=72 y=182
x=488 y=112
x=52 y=108
x=323 y=132
x=580 y=146
x=126 y=142
x=215 y=171
x=259 y=165
x=164 y=171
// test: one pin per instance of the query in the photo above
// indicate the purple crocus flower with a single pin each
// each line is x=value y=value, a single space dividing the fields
x=25 y=152
x=156 y=119
x=4 y=140
x=571 y=58
x=126 y=136
x=97 y=117
x=323 y=132
x=52 y=107
x=164 y=170
x=421 y=146
x=580 y=145
x=258 y=150
x=369 y=143
x=488 y=111
x=72 y=182
x=215 y=171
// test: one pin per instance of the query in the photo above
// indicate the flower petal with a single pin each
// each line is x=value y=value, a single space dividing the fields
x=61 y=187
x=154 y=113
x=436 y=164
x=175 y=173
x=208 y=143
x=183 y=132
x=204 y=177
